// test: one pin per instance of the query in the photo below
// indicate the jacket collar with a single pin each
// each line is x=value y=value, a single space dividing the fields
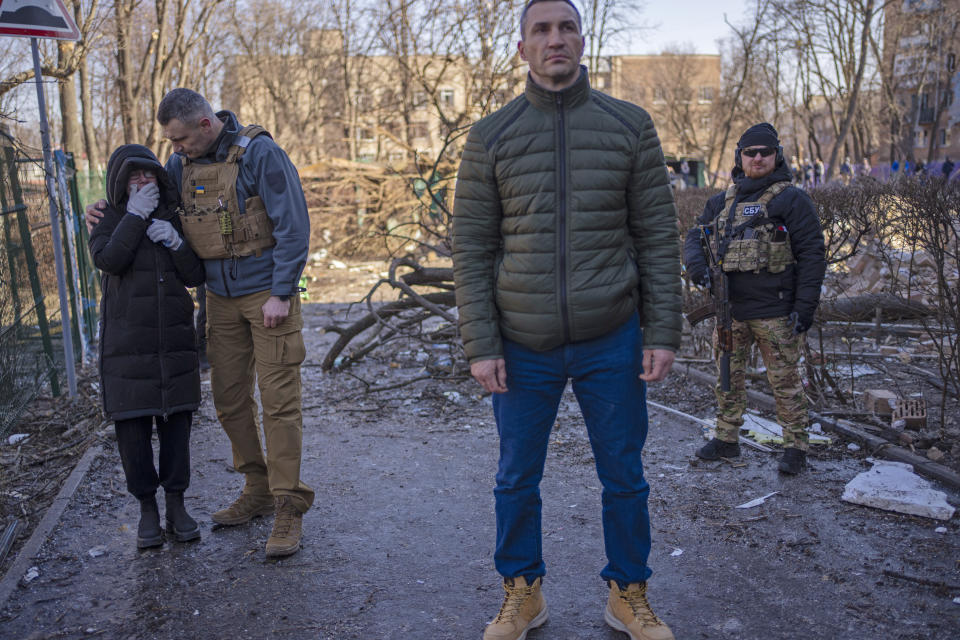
x=219 y=148
x=572 y=96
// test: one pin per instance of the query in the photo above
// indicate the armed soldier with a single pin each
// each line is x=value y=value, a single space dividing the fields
x=768 y=245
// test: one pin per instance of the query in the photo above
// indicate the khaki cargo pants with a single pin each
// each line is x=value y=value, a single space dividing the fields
x=241 y=350
x=780 y=350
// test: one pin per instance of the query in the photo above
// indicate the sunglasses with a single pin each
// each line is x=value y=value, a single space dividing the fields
x=766 y=152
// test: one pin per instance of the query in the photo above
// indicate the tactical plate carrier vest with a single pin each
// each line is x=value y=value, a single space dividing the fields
x=753 y=242
x=212 y=222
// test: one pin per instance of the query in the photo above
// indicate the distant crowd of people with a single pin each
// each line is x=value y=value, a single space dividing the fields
x=812 y=173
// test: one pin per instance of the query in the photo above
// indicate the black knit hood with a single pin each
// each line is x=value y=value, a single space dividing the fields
x=125 y=159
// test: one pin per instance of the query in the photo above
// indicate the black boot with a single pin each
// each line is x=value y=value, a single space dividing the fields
x=179 y=523
x=793 y=461
x=148 y=531
x=716 y=449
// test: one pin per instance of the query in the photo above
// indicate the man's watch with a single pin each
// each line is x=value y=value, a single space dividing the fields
x=284 y=298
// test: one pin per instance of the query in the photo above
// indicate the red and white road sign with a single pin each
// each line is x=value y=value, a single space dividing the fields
x=37 y=19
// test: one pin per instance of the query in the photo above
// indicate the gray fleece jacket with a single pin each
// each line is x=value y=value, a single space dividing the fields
x=266 y=171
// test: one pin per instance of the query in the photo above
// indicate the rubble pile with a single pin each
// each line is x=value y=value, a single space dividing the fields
x=878 y=270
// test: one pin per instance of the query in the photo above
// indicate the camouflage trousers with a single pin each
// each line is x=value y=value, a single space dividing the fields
x=780 y=350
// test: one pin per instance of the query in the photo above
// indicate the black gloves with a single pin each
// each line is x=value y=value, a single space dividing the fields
x=800 y=323
x=700 y=277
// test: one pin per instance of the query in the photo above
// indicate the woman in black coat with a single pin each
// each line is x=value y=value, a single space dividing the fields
x=148 y=359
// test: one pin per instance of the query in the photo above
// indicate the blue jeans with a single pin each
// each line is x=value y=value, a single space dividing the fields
x=613 y=402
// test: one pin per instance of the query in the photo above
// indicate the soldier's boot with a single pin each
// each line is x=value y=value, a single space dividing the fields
x=180 y=525
x=287 y=529
x=629 y=611
x=793 y=461
x=244 y=509
x=523 y=609
x=717 y=448
x=148 y=530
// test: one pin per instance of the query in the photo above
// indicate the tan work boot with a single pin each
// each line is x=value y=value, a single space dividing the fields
x=244 y=509
x=628 y=611
x=287 y=529
x=523 y=609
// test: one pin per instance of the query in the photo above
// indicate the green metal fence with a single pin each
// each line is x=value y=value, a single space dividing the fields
x=31 y=322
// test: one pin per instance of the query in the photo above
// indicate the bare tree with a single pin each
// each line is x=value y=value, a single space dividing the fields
x=832 y=46
x=150 y=45
x=605 y=21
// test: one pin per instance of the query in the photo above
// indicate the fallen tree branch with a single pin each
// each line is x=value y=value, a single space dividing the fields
x=919 y=580
x=385 y=311
x=407 y=289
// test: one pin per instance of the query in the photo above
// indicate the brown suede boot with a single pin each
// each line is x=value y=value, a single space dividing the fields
x=523 y=609
x=287 y=529
x=244 y=509
x=628 y=611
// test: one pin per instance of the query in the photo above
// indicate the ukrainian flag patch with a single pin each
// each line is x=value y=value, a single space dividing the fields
x=200 y=189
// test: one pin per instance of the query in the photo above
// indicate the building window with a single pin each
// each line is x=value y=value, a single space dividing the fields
x=365 y=133
x=418 y=131
x=419 y=99
x=364 y=102
x=659 y=94
x=447 y=97
x=706 y=94
x=951 y=61
x=943 y=137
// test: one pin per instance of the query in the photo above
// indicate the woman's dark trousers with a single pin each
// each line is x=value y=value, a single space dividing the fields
x=136 y=453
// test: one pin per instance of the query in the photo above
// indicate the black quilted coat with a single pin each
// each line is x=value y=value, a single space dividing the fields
x=148 y=356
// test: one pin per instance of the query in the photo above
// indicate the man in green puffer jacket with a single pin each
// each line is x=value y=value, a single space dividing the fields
x=564 y=226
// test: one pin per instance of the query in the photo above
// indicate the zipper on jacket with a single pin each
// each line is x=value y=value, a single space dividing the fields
x=562 y=219
x=163 y=375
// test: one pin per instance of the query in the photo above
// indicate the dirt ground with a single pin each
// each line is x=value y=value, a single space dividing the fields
x=399 y=542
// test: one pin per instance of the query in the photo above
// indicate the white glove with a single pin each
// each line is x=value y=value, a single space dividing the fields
x=163 y=232
x=143 y=201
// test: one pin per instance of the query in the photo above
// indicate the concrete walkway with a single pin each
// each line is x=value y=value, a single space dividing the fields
x=399 y=542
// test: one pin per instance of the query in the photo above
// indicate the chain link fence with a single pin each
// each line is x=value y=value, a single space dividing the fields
x=31 y=322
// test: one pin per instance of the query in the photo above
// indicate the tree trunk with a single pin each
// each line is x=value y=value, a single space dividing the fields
x=855 y=93
x=86 y=104
x=126 y=74
x=71 y=141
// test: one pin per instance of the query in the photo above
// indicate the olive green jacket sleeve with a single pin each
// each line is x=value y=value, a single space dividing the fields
x=656 y=240
x=476 y=244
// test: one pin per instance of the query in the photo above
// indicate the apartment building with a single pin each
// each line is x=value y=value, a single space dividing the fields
x=921 y=44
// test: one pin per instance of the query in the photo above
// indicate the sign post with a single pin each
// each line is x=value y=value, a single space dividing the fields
x=47 y=19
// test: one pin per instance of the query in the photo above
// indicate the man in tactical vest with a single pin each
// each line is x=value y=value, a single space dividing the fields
x=767 y=240
x=245 y=214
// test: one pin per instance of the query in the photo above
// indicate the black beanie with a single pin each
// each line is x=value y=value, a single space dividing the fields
x=759 y=134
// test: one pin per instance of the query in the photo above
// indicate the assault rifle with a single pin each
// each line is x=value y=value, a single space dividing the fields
x=720 y=307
